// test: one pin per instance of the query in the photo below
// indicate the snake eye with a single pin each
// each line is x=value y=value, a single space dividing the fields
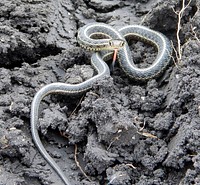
x=122 y=43
x=111 y=43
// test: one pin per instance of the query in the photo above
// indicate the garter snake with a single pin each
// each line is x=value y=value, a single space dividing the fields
x=102 y=38
x=157 y=39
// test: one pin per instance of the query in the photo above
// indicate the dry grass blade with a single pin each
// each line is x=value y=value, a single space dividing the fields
x=146 y=134
x=78 y=164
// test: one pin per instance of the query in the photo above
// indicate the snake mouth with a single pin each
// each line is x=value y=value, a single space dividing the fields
x=116 y=43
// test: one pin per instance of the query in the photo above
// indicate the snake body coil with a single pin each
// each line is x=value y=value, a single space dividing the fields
x=86 y=39
x=110 y=38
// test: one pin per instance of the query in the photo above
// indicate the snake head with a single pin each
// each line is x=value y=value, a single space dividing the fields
x=116 y=43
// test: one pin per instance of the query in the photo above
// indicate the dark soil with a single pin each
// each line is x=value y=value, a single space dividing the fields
x=38 y=46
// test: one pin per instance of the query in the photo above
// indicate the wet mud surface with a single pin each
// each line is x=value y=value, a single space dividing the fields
x=124 y=131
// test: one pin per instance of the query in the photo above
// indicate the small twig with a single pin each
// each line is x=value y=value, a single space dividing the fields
x=192 y=155
x=11 y=105
x=92 y=93
x=195 y=34
x=130 y=165
x=113 y=140
x=115 y=177
x=138 y=123
x=62 y=133
x=78 y=164
x=143 y=19
x=176 y=54
x=77 y=106
x=180 y=15
x=146 y=134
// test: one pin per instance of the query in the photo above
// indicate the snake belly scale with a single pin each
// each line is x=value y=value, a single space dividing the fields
x=103 y=47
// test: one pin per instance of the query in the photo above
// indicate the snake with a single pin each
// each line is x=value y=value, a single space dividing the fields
x=103 y=39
